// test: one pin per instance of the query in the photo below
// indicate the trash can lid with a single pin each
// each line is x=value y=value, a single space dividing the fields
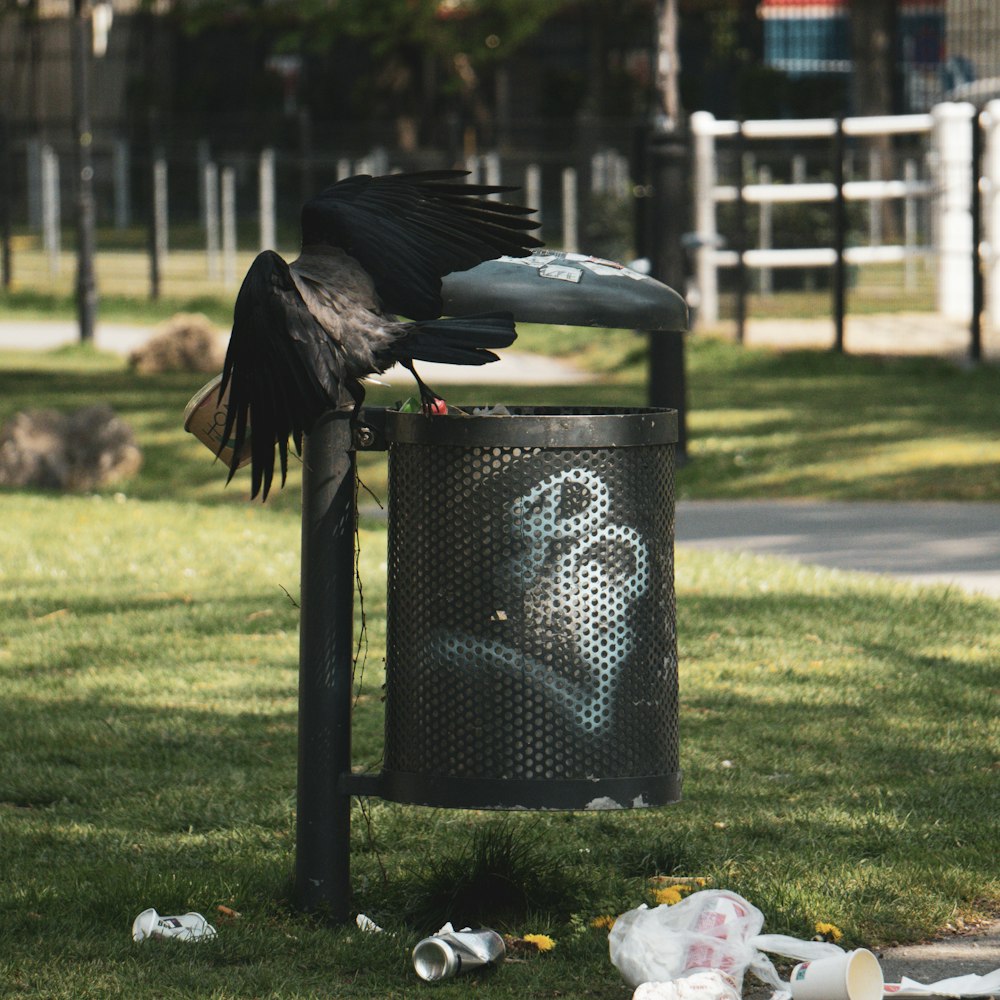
x=573 y=289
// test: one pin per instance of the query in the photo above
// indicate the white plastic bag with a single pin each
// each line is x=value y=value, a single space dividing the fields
x=697 y=986
x=706 y=930
x=713 y=929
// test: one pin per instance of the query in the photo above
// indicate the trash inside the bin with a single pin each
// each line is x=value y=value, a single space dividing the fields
x=450 y=952
x=413 y=405
x=187 y=927
x=491 y=411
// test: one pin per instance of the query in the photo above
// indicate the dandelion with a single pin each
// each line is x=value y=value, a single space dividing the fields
x=828 y=932
x=541 y=941
x=603 y=923
x=672 y=894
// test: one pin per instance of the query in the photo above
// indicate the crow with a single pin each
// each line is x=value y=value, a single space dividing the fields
x=306 y=333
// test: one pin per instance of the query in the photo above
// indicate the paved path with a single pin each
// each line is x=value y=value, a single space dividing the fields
x=977 y=953
x=932 y=542
x=885 y=334
x=515 y=367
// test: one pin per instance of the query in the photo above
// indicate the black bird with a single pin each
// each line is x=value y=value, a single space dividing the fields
x=307 y=332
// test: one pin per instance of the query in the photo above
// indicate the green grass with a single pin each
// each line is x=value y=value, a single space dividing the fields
x=839 y=732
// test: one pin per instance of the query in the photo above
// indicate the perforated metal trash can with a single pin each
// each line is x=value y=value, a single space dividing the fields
x=531 y=652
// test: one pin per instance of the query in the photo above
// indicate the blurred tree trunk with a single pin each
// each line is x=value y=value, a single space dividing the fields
x=873 y=43
x=874 y=84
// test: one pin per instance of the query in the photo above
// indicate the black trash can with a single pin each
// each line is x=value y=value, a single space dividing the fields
x=531 y=652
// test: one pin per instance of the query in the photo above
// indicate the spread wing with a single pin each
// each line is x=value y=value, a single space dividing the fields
x=282 y=369
x=409 y=230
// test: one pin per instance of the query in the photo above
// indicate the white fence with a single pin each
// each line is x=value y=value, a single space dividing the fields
x=218 y=188
x=949 y=151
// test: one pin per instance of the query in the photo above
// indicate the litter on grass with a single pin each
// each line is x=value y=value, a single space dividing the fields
x=187 y=927
x=701 y=947
x=450 y=952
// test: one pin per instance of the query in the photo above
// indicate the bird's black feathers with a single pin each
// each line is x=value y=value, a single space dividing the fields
x=463 y=340
x=409 y=230
x=270 y=374
x=305 y=334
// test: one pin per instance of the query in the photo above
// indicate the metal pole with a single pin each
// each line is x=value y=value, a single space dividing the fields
x=323 y=822
x=669 y=175
x=839 y=239
x=976 y=326
x=86 y=286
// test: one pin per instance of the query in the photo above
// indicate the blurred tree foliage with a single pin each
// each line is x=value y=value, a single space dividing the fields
x=415 y=50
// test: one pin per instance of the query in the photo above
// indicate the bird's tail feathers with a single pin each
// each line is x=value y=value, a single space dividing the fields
x=458 y=340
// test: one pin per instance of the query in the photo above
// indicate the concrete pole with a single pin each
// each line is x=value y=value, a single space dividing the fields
x=51 y=210
x=991 y=210
x=706 y=274
x=210 y=199
x=951 y=137
x=533 y=189
x=571 y=238
x=266 y=207
x=161 y=207
x=229 y=226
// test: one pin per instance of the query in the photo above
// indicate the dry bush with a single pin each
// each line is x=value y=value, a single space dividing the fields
x=75 y=452
x=187 y=342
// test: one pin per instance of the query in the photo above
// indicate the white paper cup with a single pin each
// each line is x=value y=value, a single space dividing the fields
x=205 y=418
x=855 y=975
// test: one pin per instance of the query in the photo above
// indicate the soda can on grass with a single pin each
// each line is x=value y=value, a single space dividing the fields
x=450 y=952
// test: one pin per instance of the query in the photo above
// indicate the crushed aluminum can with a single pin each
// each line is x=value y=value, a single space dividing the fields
x=188 y=927
x=450 y=952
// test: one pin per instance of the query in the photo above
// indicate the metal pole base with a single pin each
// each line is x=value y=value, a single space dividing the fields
x=323 y=822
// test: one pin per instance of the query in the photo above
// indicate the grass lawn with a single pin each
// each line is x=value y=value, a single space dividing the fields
x=839 y=732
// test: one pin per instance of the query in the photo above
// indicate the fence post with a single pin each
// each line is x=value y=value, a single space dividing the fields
x=839 y=239
x=991 y=212
x=229 y=225
x=491 y=168
x=51 y=213
x=533 y=190
x=161 y=213
x=571 y=241
x=976 y=246
x=210 y=199
x=706 y=274
x=951 y=137
x=268 y=224
x=766 y=230
x=910 y=176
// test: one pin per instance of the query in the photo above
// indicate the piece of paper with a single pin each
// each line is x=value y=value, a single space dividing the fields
x=957 y=986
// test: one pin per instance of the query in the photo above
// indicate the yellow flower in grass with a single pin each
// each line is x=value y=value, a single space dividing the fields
x=541 y=941
x=828 y=932
x=672 y=894
x=604 y=923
